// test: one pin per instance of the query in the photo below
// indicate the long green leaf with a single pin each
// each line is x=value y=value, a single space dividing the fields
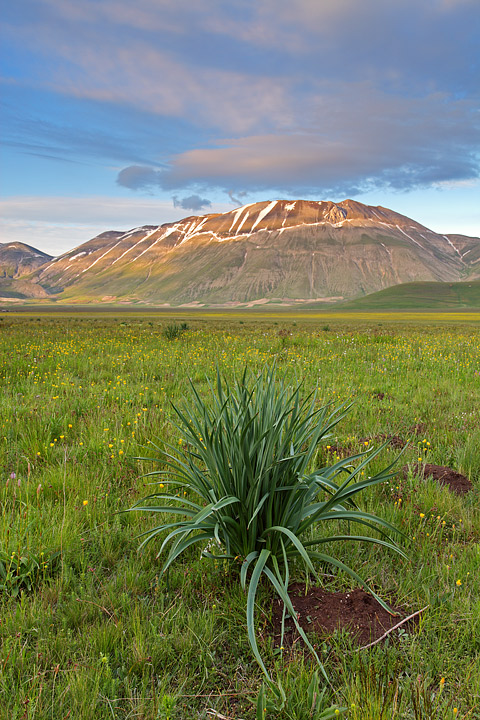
x=252 y=594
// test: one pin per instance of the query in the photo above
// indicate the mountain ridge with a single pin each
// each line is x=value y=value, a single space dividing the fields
x=285 y=249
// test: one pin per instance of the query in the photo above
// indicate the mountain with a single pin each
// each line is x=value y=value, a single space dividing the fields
x=17 y=260
x=279 y=249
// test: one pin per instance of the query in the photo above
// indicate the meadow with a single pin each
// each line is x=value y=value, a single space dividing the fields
x=90 y=629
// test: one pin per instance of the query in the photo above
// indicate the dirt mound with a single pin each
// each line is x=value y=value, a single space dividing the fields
x=395 y=441
x=418 y=429
x=445 y=476
x=323 y=612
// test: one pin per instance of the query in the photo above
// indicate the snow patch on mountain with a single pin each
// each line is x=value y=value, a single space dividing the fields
x=145 y=237
x=263 y=213
x=235 y=218
x=452 y=245
x=243 y=222
x=410 y=237
x=102 y=256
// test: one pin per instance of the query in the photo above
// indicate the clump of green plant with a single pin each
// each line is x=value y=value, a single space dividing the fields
x=307 y=699
x=22 y=571
x=174 y=330
x=242 y=487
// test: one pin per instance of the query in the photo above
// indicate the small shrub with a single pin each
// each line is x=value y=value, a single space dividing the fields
x=174 y=330
x=243 y=492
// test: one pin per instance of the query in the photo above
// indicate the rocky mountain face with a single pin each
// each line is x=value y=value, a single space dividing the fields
x=283 y=250
x=18 y=260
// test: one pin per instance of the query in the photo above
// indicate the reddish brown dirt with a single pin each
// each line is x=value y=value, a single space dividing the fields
x=342 y=451
x=395 y=440
x=418 y=429
x=323 y=612
x=456 y=482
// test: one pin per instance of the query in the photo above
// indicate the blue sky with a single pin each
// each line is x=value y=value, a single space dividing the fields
x=117 y=114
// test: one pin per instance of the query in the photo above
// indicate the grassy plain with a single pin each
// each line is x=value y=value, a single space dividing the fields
x=89 y=630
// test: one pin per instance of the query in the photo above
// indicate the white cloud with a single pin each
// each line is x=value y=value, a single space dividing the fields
x=272 y=96
x=97 y=209
x=224 y=99
x=51 y=238
x=390 y=142
x=113 y=51
x=457 y=184
x=58 y=224
x=93 y=62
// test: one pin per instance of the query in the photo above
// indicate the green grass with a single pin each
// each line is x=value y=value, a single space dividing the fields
x=99 y=635
x=421 y=295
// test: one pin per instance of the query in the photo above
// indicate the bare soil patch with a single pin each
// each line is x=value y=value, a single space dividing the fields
x=341 y=450
x=445 y=476
x=322 y=612
x=394 y=440
x=418 y=429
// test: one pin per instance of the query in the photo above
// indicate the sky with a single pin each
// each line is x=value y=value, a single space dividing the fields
x=118 y=113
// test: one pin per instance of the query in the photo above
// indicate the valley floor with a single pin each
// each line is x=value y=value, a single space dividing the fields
x=89 y=629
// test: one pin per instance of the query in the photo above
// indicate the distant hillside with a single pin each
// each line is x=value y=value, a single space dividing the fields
x=17 y=260
x=421 y=295
x=469 y=248
x=277 y=250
